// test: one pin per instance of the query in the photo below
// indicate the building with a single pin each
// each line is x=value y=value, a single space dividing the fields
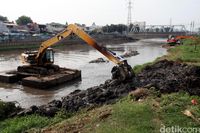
x=33 y=28
x=3 y=28
x=43 y=28
x=92 y=28
x=11 y=26
x=55 y=27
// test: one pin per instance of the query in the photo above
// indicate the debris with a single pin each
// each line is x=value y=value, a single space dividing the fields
x=129 y=54
x=99 y=60
x=194 y=102
x=189 y=114
x=139 y=94
x=169 y=76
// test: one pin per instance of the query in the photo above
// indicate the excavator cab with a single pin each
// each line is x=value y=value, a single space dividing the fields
x=48 y=57
x=29 y=57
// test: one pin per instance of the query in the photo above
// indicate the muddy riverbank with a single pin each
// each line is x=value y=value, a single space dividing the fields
x=164 y=76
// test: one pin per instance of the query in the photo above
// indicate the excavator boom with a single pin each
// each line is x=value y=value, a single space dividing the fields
x=43 y=58
x=73 y=29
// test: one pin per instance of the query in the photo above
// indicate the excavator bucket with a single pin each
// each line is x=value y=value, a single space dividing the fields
x=122 y=72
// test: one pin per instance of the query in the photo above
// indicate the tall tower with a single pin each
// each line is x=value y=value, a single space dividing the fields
x=129 y=19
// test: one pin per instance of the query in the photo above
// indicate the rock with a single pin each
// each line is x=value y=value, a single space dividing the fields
x=55 y=103
x=48 y=111
x=99 y=60
x=129 y=54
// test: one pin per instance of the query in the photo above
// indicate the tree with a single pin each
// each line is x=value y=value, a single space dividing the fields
x=3 y=19
x=24 y=20
x=114 y=28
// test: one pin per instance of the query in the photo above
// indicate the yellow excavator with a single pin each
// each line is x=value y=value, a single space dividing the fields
x=41 y=61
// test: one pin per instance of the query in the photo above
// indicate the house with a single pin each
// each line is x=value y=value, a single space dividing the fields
x=33 y=28
x=3 y=28
x=93 y=28
x=55 y=27
x=43 y=28
x=11 y=26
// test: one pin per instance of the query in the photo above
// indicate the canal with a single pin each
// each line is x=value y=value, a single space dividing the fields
x=76 y=57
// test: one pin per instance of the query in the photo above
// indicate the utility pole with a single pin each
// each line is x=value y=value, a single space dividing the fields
x=129 y=19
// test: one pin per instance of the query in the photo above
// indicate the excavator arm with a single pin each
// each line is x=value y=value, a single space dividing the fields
x=73 y=29
x=121 y=72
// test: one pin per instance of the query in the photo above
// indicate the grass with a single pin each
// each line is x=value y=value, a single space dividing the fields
x=21 y=124
x=173 y=106
x=185 y=53
x=129 y=116
x=188 y=53
x=138 y=68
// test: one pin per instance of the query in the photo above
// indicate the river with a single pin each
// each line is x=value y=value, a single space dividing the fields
x=77 y=57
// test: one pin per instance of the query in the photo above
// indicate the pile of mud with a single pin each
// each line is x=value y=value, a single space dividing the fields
x=129 y=54
x=169 y=76
x=105 y=93
x=166 y=76
x=99 y=60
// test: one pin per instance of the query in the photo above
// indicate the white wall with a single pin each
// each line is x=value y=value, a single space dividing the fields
x=3 y=28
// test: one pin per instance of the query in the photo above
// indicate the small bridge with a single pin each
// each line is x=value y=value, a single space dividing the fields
x=156 y=31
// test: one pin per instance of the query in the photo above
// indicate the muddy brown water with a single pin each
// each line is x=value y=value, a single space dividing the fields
x=78 y=57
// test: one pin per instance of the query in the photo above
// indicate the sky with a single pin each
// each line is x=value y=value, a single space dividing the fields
x=103 y=12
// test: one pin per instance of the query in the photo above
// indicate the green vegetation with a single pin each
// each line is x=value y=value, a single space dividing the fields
x=114 y=28
x=188 y=53
x=125 y=116
x=3 y=19
x=6 y=109
x=174 y=105
x=23 y=123
x=24 y=20
x=128 y=116
x=139 y=68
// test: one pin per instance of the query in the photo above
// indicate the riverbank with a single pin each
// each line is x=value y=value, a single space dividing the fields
x=141 y=111
x=34 y=44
